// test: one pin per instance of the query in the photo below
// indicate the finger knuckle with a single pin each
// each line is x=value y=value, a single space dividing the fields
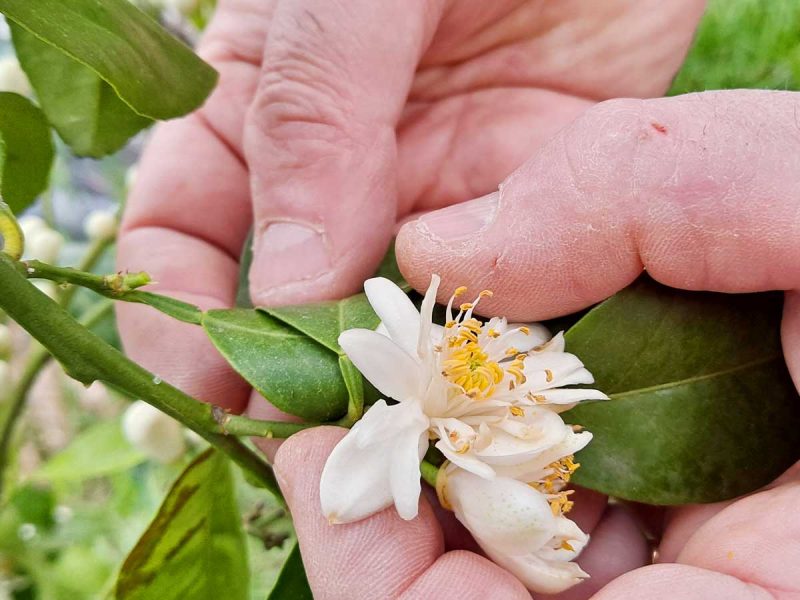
x=303 y=106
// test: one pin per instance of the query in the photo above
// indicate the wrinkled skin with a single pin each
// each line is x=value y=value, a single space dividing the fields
x=336 y=121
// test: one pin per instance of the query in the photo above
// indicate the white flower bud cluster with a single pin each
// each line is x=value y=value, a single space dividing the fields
x=41 y=242
x=12 y=77
x=100 y=225
x=156 y=434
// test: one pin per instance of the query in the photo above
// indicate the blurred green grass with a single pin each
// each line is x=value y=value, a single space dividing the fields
x=744 y=44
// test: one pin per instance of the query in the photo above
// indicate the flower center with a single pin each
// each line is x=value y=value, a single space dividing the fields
x=469 y=367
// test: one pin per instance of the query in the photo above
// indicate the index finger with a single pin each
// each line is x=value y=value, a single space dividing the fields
x=189 y=212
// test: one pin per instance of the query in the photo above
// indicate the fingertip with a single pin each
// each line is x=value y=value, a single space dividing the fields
x=309 y=448
x=376 y=557
x=460 y=574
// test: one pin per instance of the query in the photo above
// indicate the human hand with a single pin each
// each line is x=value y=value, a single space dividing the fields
x=701 y=191
x=333 y=121
x=741 y=549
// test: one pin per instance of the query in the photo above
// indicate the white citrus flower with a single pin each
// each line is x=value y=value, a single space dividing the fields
x=156 y=434
x=467 y=384
x=517 y=528
x=100 y=225
x=12 y=77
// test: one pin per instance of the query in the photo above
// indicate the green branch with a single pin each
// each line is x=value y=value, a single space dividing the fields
x=14 y=403
x=429 y=473
x=244 y=426
x=94 y=253
x=87 y=358
x=117 y=286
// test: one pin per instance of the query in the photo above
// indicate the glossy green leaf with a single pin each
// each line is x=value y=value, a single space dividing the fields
x=82 y=107
x=100 y=450
x=324 y=321
x=292 y=371
x=245 y=260
x=177 y=309
x=702 y=407
x=195 y=546
x=151 y=71
x=292 y=582
x=27 y=151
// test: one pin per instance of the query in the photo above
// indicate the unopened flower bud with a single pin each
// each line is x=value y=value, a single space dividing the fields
x=43 y=244
x=5 y=341
x=12 y=77
x=30 y=224
x=156 y=434
x=100 y=225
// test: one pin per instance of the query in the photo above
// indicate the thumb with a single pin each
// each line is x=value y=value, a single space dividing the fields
x=701 y=190
x=320 y=142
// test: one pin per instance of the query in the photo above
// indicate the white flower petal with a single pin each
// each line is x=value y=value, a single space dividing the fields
x=535 y=468
x=387 y=366
x=532 y=440
x=398 y=314
x=504 y=515
x=426 y=318
x=363 y=473
x=514 y=338
x=539 y=575
x=410 y=447
x=467 y=461
x=549 y=370
x=572 y=395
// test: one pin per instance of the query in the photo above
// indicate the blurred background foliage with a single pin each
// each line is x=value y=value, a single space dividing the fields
x=82 y=494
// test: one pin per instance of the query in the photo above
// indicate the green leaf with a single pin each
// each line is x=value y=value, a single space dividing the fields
x=35 y=505
x=152 y=72
x=293 y=372
x=98 y=451
x=81 y=106
x=195 y=546
x=324 y=321
x=292 y=582
x=245 y=260
x=177 y=309
x=702 y=407
x=27 y=151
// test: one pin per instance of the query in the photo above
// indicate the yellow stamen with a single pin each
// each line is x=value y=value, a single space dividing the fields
x=486 y=294
x=517 y=411
x=525 y=330
x=459 y=291
x=466 y=306
x=548 y=375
